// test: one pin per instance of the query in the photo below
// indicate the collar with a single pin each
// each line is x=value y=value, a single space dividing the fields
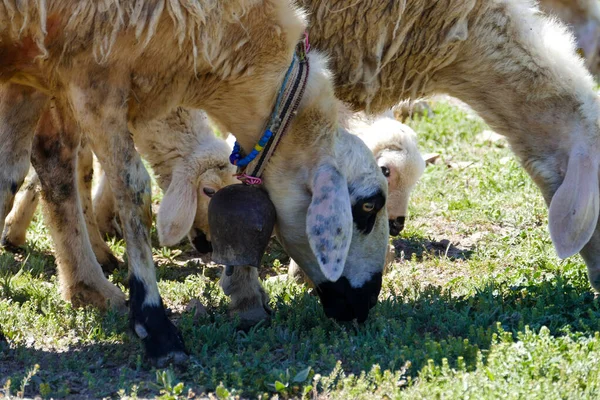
x=252 y=166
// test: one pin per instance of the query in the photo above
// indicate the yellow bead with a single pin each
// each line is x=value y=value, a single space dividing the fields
x=258 y=147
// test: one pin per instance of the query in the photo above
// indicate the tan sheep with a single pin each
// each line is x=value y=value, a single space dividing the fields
x=514 y=66
x=111 y=68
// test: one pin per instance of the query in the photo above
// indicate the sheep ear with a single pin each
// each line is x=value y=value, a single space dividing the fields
x=177 y=211
x=329 y=221
x=573 y=213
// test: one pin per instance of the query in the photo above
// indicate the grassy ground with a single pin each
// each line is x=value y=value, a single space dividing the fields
x=476 y=306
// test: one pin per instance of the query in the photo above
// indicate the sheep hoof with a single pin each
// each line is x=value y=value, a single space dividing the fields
x=163 y=342
x=81 y=294
x=250 y=318
x=9 y=246
x=110 y=265
x=252 y=311
x=175 y=358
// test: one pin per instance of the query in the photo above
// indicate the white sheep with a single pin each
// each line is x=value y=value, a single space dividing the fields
x=394 y=146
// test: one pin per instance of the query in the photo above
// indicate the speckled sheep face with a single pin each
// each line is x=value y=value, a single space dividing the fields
x=336 y=229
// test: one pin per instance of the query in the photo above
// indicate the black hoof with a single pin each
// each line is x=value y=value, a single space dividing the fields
x=251 y=318
x=110 y=265
x=175 y=358
x=8 y=246
x=163 y=343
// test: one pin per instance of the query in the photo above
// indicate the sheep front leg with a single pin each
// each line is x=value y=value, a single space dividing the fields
x=85 y=172
x=19 y=219
x=20 y=108
x=249 y=300
x=54 y=156
x=101 y=110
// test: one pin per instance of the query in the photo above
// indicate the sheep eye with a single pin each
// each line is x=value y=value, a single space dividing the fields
x=385 y=170
x=364 y=211
x=209 y=192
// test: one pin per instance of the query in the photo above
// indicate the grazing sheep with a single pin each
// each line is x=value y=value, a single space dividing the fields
x=181 y=141
x=394 y=146
x=583 y=17
x=514 y=66
x=182 y=144
x=113 y=67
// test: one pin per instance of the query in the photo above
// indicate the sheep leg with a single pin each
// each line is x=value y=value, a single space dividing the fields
x=20 y=108
x=26 y=202
x=296 y=274
x=54 y=157
x=85 y=172
x=19 y=219
x=100 y=110
x=104 y=209
x=249 y=300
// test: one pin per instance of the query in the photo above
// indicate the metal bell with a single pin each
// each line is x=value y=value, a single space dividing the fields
x=241 y=219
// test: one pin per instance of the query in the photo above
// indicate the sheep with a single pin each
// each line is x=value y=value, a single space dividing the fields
x=583 y=16
x=112 y=67
x=394 y=146
x=190 y=138
x=515 y=67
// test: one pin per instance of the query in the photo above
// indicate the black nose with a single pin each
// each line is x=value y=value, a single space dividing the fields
x=201 y=243
x=342 y=302
x=396 y=226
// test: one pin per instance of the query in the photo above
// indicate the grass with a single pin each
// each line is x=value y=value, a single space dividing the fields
x=476 y=306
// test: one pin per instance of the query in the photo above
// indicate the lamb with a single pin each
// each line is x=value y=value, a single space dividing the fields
x=112 y=68
x=514 y=66
x=191 y=147
x=583 y=16
x=394 y=146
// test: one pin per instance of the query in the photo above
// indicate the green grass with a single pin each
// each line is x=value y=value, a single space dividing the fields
x=476 y=306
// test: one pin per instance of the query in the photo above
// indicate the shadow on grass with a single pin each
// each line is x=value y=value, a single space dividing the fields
x=433 y=324
x=414 y=325
x=417 y=247
x=29 y=259
x=87 y=371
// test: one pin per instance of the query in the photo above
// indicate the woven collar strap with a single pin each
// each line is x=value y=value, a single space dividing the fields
x=285 y=110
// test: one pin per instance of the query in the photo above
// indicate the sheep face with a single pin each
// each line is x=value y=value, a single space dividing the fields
x=335 y=227
x=210 y=182
x=394 y=146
